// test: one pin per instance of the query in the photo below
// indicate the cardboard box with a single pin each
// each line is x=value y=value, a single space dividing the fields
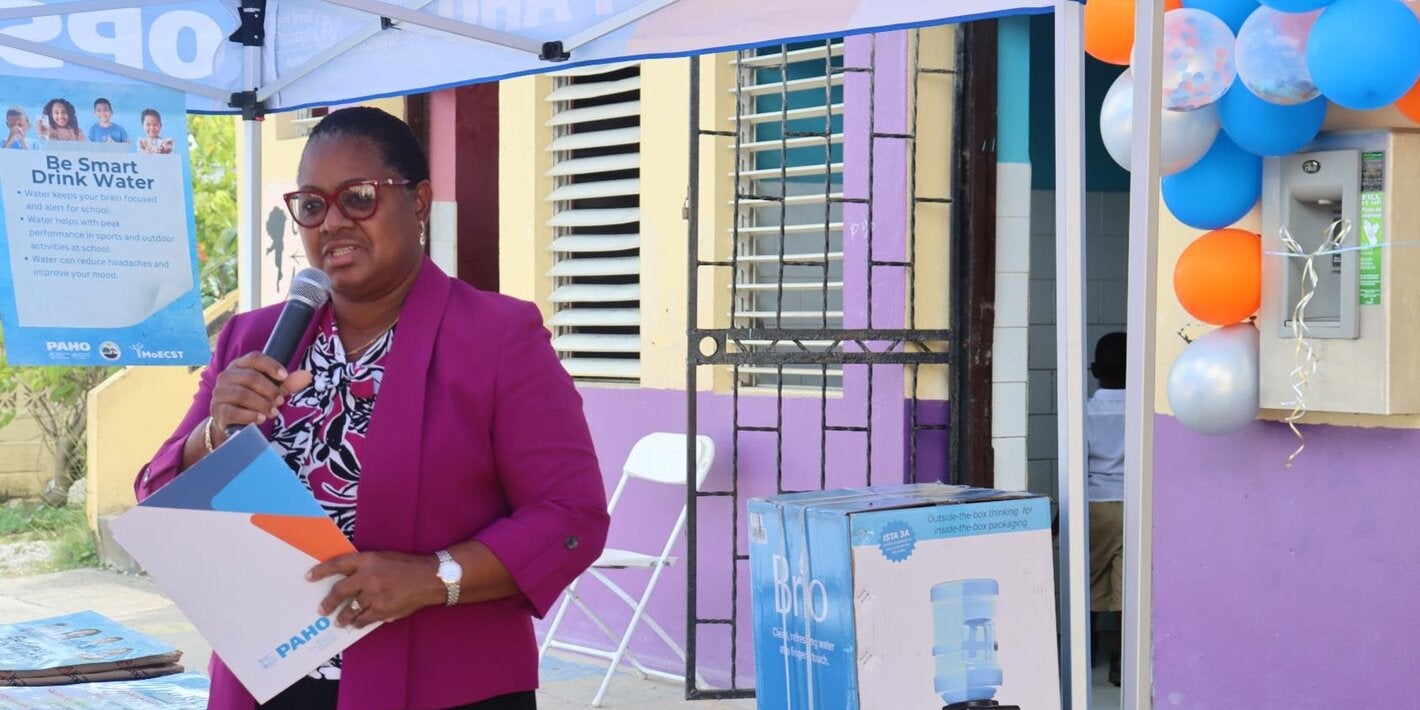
x=909 y=597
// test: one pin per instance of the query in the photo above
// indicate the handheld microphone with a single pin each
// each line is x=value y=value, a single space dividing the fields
x=310 y=289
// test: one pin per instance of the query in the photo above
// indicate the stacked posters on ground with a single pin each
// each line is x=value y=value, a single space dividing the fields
x=78 y=648
x=230 y=541
x=183 y=691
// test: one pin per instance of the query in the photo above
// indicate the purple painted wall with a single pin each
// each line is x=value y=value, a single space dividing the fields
x=1286 y=588
x=887 y=88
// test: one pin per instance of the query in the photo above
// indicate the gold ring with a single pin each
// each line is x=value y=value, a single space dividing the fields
x=355 y=606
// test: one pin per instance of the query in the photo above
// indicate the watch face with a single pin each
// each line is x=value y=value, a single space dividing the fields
x=450 y=571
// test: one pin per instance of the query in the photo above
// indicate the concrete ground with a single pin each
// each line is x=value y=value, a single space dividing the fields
x=567 y=681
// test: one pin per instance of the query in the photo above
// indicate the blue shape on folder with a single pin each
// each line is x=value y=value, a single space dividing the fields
x=267 y=485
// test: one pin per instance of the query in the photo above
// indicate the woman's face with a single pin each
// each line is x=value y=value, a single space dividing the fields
x=372 y=257
x=59 y=115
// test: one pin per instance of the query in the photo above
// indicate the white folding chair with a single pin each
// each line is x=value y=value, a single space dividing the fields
x=657 y=458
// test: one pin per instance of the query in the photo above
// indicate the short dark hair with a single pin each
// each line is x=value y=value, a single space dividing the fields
x=104 y=101
x=399 y=149
x=150 y=112
x=1110 y=356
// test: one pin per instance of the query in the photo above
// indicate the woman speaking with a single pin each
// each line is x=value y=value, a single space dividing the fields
x=435 y=425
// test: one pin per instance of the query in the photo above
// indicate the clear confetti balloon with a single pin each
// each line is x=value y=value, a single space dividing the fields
x=1271 y=56
x=1184 y=136
x=1198 y=59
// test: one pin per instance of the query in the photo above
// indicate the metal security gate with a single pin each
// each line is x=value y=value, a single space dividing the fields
x=780 y=353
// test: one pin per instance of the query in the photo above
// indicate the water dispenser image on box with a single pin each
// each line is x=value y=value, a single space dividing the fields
x=964 y=650
x=907 y=597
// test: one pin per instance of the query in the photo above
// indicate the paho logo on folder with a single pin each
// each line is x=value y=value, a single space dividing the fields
x=230 y=541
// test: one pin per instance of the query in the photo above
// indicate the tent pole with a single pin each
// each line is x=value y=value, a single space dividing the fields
x=1142 y=319
x=1069 y=344
x=249 y=207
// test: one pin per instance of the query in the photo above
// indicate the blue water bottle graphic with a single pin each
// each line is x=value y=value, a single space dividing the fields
x=964 y=650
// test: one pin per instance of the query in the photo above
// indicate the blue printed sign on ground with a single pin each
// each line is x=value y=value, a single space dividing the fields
x=98 y=264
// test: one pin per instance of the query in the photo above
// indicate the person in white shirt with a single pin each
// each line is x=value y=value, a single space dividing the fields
x=1104 y=462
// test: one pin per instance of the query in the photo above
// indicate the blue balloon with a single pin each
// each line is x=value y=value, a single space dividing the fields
x=1364 y=54
x=1264 y=128
x=1218 y=190
x=1231 y=12
x=1295 y=5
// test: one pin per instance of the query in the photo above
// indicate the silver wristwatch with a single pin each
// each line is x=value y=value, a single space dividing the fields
x=450 y=573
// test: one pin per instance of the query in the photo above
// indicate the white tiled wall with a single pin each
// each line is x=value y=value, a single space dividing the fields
x=1106 y=294
x=1009 y=366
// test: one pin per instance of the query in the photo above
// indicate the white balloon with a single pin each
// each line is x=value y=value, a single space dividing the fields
x=1184 y=138
x=1213 y=383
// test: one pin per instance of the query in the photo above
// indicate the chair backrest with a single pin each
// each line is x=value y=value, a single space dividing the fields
x=660 y=458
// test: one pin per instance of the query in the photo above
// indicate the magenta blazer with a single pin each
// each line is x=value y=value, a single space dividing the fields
x=478 y=433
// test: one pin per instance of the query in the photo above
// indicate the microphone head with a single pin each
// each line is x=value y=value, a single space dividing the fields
x=310 y=286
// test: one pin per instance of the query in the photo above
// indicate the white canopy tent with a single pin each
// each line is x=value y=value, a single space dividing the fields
x=258 y=56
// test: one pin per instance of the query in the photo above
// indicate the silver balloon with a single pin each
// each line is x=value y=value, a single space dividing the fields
x=1183 y=139
x=1213 y=383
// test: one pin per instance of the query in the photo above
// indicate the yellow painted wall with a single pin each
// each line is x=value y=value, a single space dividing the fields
x=523 y=186
x=934 y=93
x=1173 y=321
x=130 y=415
x=665 y=154
x=24 y=462
x=717 y=212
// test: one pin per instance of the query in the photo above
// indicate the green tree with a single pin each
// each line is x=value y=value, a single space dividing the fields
x=212 y=145
x=57 y=397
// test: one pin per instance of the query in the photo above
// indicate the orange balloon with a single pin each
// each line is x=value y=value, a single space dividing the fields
x=1218 y=278
x=1109 y=28
x=1409 y=104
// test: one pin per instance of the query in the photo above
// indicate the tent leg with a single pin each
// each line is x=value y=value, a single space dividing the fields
x=249 y=220
x=1142 y=319
x=1069 y=343
x=249 y=199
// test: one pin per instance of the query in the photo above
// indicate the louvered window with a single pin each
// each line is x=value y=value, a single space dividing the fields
x=596 y=219
x=789 y=224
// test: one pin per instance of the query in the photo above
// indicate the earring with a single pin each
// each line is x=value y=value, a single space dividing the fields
x=423 y=237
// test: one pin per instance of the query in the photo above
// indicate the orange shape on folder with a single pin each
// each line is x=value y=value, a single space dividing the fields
x=317 y=537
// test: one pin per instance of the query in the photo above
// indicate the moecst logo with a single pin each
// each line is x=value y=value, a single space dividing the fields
x=143 y=353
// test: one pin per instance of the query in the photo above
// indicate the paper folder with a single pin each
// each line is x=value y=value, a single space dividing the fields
x=230 y=541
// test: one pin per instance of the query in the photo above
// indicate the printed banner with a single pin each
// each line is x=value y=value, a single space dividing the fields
x=98 y=264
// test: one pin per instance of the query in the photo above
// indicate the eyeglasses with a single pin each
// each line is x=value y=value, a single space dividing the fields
x=357 y=201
